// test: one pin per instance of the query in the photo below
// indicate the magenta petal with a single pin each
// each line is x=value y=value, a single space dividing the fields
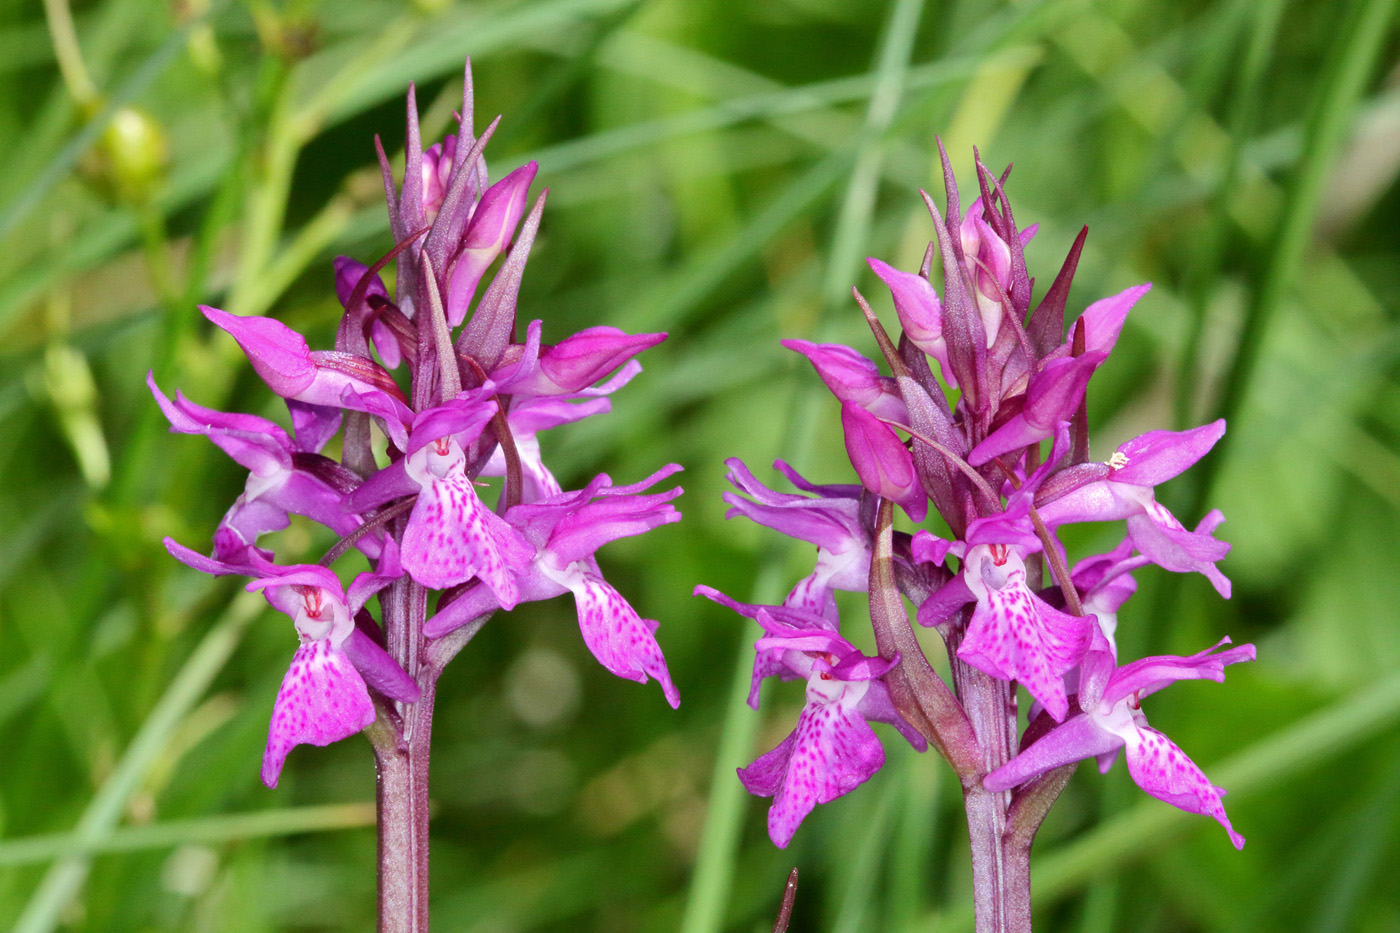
x=451 y=537
x=322 y=700
x=623 y=642
x=488 y=233
x=831 y=522
x=1079 y=737
x=463 y=419
x=256 y=443
x=1146 y=676
x=853 y=378
x=249 y=560
x=378 y=669
x=1179 y=550
x=1014 y=635
x=1163 y=770
x=578 y=361
x=1016 y=433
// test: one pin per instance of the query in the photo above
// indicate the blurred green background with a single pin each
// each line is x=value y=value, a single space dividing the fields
x=717 y=170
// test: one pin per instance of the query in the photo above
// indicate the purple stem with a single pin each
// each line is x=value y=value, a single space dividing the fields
x=401 y=792
x=401 y=786
x=1001 y=883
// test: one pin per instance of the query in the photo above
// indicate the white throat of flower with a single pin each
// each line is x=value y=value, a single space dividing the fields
x=322 y=615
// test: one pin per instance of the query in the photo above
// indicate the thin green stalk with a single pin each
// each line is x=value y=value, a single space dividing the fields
x=309 y=244
x=891 y=71
x=65 y=878
x=1210 y=247
x=61 y=165
x=209 y=831
x=69 y=54
x=724 y=812
x=267 y=204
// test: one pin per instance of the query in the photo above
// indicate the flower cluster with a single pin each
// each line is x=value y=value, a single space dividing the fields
x=983 y=419
x=428 y=400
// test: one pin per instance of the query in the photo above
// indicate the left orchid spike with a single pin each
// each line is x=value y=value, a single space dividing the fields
x=439 y=372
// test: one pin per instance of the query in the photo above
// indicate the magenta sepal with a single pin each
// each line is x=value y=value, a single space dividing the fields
x=563 y=532
x=853 y=378
x=577 y=362
x=314 y=425
x=885 y=466
x=919 y=312
x=1052 y=397
x=573 y=365
x=1126 y=492
x=438 y=163
x=1153 y=458
x=323 y=377
x=770 y=663
x=565 y=529
x=280 y=481
x=831 y=521
x=1112 y=719
x=1103 y=320
x=987 y=258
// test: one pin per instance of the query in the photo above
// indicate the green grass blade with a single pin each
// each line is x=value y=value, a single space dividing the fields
x=209 y=831
x=65 y=879
x=1354 y=55
x=856 y=895
x=728 y=801
x=853 y=225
